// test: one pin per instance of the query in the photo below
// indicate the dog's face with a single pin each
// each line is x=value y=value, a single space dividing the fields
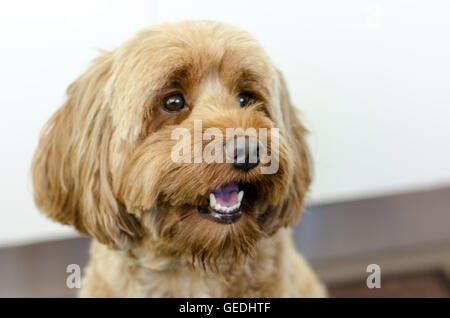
x=105 y=163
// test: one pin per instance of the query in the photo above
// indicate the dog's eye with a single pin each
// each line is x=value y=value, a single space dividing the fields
x=244 y=99
x=174 y=102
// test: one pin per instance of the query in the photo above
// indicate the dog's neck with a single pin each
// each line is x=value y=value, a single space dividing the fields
x=151 y=256
x=149 y=271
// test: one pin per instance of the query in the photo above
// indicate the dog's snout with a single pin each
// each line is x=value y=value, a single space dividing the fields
x=244 y=152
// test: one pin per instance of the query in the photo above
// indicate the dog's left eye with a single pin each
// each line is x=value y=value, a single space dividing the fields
x=244 y=99
x=174 y=102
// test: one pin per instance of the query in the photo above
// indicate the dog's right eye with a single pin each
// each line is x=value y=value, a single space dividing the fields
x=174 y=103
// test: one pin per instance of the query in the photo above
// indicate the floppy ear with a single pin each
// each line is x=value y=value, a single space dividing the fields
x=289 y=212
x=70 y=169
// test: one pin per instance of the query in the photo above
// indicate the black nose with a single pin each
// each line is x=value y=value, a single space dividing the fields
x=245 y=152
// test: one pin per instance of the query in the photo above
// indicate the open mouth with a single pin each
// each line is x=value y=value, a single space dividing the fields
x=223 y=204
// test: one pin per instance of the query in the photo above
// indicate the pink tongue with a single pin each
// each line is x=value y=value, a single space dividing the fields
x=227 y=196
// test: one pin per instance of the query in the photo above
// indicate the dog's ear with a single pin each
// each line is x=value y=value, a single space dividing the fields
x=70 y=169
x=301 y=163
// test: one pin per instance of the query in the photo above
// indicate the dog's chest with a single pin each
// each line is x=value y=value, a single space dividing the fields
x=179 y=283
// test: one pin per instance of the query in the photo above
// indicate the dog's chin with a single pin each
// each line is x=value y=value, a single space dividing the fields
x=210 y=240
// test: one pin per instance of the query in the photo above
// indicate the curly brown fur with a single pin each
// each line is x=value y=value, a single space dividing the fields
x=103 y=165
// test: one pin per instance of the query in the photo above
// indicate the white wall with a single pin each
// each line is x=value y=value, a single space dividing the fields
x=371 y=77
x=44 y=46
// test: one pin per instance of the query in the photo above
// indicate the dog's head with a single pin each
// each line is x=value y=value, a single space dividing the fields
x=105 y=161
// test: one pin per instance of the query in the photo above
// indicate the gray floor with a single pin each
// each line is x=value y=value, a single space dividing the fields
x=327 y=233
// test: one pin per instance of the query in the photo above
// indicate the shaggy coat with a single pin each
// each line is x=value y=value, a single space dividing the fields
x=103 y=165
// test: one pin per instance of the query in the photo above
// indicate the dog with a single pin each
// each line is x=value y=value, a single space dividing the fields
x=163 y=228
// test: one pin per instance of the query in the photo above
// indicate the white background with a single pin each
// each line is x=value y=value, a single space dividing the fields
x=372 y=79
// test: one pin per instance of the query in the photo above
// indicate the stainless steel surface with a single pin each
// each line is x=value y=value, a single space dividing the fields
x=39 y=270
x=363 y=227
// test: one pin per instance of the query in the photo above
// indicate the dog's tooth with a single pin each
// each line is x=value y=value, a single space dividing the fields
x=212 y=200
x=240 y=196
